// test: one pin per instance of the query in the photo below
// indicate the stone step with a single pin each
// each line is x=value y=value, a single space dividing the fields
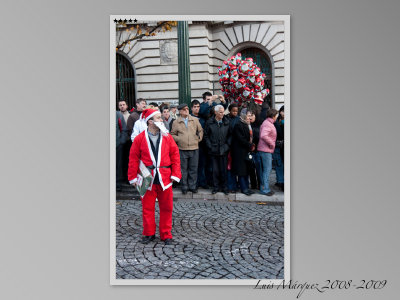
x=129 y=193
x=203 y=194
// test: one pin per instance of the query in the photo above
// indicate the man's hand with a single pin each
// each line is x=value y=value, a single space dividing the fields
x=133 y=184
x=222 y=98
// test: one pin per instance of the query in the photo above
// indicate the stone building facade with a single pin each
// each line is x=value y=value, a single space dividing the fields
x=154 y=63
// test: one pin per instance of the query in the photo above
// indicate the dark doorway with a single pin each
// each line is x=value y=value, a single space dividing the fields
x=125 y=81
x=262 y=61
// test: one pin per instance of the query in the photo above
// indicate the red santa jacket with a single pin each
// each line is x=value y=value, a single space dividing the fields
x=168 y=155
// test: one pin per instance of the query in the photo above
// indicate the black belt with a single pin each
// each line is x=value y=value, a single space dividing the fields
x=152 y=167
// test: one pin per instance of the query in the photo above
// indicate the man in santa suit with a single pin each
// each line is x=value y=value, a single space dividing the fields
x=160 y=154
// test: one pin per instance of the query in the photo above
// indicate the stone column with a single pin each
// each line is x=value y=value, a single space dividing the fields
x=184 y=63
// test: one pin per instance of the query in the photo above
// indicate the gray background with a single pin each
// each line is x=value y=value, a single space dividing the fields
x=54 y=71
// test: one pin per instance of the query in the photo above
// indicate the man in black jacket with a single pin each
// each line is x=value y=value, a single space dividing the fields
x=218 y=139
x=121 y=139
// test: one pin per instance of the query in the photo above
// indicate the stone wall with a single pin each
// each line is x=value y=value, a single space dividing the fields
x=156 y=64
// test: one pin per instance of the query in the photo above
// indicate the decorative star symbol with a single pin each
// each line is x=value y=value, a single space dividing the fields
x=135 y=20
x=125 y=20
x=130 y=20
x=120 y=21
x=115 y=20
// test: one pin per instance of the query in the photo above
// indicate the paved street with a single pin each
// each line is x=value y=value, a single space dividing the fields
x=212 y=239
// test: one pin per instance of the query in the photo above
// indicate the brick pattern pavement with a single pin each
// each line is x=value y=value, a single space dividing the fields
x=212 y=240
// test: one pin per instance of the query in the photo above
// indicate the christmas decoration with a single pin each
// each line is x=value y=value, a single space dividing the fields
x=242 y=81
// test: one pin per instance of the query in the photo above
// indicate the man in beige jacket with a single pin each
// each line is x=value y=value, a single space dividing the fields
x=187 y=133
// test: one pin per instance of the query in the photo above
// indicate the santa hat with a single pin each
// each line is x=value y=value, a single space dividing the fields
x=147 y=114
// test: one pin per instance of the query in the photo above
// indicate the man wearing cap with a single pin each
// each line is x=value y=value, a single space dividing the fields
x=160 y=154
x=187 y=133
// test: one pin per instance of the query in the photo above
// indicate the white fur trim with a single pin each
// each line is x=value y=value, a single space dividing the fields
x=159 y=160
x=151 y=115
x=133 y=180
x=164 y=188
x=149 y=147
x=175 y=178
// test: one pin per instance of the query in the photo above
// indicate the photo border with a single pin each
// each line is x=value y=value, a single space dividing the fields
x=287 y=253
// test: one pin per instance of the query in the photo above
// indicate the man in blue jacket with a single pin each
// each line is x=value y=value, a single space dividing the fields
x=209 y=101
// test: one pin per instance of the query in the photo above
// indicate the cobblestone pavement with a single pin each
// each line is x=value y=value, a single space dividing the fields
x=212 y=240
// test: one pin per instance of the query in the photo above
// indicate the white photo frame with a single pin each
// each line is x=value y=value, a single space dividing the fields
x=286 y=23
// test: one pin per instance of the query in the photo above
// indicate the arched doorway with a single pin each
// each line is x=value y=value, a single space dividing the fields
x=262 y=61
x=126 y=83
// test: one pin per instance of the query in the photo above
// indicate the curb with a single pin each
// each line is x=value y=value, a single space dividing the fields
x=277 y=199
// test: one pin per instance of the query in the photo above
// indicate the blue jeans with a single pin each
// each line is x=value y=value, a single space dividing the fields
x=266 y=159
x=278 y=163
x=257 y=163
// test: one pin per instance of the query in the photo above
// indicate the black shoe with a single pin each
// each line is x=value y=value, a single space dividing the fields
x=194 y=191
x=168 y=241
x=225 y=192
x=247 y=193
x=270 y=193
x=205 y=187
x=147 y=239
x=184 y=192
x=251 y=192
x=214 y=191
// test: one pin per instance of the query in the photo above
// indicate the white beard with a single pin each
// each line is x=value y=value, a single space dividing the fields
x=161 y=126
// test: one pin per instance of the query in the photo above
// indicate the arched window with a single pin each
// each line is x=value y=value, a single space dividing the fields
x=262 y=61
x=125 y=73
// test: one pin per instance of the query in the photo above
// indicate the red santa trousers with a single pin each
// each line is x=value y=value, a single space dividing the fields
x=148 y=211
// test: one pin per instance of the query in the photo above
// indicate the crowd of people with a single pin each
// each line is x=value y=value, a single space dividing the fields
x=225 y=148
